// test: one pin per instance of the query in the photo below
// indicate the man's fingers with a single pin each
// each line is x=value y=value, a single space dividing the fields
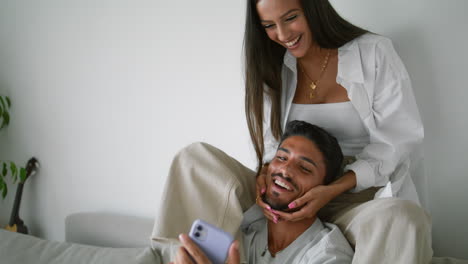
x=233 y=256
x=192 y=249
x=182 y=257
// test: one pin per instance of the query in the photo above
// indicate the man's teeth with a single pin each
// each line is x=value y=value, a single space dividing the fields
x=292 y=43
x=282 y=184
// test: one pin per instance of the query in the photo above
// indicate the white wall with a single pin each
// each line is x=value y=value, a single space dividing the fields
x=106 y=92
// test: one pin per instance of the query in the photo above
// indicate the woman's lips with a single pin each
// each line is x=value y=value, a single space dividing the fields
x=294 y=43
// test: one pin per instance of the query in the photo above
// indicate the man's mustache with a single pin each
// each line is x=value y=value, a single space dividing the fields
x=288 y=179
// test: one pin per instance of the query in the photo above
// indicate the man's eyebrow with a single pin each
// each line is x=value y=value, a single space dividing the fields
x=301 y=157
x=308 y=160
x=285 y=14
x=283 y=149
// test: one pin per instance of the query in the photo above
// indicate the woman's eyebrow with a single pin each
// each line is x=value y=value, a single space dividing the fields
x=285 y=14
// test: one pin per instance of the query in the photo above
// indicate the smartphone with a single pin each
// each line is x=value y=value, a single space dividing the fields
x=213 y=241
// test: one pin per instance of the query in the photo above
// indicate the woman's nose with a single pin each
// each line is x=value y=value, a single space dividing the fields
x=283 y=33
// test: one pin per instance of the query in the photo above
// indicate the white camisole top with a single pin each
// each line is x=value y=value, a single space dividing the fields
x=339 y=119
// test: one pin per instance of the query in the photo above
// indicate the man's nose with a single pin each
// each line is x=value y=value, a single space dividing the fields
x=286 y=169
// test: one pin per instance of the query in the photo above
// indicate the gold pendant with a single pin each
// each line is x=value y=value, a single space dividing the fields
x=312 y=86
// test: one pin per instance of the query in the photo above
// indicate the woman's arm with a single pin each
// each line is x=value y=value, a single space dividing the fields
x=394 y=124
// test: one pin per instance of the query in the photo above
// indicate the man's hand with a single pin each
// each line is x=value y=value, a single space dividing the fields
x=190 y=253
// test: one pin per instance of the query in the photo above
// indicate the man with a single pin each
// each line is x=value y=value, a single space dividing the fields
x=307 y=156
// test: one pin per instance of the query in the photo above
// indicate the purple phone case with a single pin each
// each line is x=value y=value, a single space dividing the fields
x=213 y=241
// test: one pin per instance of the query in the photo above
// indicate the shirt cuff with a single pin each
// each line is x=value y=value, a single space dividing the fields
x=364 y=175
x=270 y=152
x=268 y=157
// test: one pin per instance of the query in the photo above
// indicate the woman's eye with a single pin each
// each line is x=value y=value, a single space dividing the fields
x=291 y=18
x=268 y=26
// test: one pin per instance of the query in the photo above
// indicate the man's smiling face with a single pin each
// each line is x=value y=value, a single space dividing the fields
x=297 y=167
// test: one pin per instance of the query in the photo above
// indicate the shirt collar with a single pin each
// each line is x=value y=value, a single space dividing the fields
x=349 y=62
x=290 y=61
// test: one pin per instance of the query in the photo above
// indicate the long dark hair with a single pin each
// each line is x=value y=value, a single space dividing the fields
x=264 y=60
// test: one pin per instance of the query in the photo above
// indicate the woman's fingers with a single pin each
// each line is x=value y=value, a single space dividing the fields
x=262 y=204
x=261 y=178
x=267 y=211
x=270 y=215
x=309 y=204
x=195 y=252
x=260 y=185
x=306 y=198
x=295 y=216
x=233 y=256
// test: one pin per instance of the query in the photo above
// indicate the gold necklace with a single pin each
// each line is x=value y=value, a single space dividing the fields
x=313 y=84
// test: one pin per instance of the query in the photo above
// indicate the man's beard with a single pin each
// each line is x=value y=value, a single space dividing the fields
x=275 y=205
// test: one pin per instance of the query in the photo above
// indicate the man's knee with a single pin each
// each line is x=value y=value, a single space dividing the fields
x=194 y=147
x=194 y=150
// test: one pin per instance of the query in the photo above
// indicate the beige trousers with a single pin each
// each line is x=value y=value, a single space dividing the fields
x=206 y=183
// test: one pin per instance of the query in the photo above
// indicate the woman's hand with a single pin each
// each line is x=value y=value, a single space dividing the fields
x=190 y=253
x=260 y=190
x=317 y=197
x=311 y=201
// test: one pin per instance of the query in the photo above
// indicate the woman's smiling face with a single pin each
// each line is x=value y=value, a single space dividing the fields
x=285 y=23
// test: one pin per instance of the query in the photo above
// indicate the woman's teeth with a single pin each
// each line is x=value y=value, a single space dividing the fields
x=282 y=184
x=292 y=43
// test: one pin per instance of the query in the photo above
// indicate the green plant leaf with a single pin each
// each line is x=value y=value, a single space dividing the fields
x=8 y=101
x=22 y=175
x=4 y=114
x=13 y=169
x=2 y=101
x=6 y=118
x=4 y=169
x=3 y=188
x=3 y=105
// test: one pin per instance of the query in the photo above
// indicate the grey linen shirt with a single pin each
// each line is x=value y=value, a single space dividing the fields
x=321 y=243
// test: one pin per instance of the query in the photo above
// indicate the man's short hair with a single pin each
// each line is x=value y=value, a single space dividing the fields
x=325 y=142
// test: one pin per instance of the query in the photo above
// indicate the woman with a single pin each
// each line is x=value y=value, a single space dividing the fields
x=305 y=62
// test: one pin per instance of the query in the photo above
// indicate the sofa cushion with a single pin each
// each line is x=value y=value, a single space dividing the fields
x=18 y=248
